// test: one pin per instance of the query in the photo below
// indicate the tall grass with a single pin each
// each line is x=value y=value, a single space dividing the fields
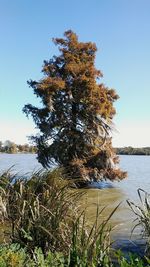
x=39 y=210
x=90 y=245
x=43 y=212
x=50 y=228
x=142 y=212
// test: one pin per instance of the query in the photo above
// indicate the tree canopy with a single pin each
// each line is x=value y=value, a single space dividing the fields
x=75 y=119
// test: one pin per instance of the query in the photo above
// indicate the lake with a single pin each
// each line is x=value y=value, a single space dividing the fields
x=138 y=168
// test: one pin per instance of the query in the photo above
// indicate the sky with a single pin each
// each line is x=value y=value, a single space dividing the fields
x=121 y=31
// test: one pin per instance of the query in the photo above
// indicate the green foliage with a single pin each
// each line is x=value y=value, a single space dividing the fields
x=75 y=120
x=132 y=260
x=15 y=256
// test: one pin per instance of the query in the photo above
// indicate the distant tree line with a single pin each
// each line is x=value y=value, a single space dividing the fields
x=133 y=150
x=12 y=148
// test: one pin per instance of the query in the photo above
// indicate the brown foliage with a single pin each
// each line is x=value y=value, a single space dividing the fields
x=76 y=117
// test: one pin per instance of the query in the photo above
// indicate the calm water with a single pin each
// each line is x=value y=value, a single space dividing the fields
x=20 y=163
x=138 y=168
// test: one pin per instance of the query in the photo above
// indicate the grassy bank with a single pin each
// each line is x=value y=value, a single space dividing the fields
x=47 y=226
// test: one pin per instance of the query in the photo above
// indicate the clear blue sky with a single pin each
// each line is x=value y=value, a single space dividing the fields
x=121 y=31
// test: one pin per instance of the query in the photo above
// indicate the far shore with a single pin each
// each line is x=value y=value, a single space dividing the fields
x=130 y=151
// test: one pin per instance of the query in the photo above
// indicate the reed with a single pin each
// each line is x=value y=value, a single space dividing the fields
x=39 y=210
x=49 y=228
x=44 y=212
x=142 y=212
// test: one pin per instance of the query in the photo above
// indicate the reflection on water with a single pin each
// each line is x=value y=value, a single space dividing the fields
x=138 y=168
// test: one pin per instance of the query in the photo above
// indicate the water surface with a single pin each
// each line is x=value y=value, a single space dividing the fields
x=138 y=168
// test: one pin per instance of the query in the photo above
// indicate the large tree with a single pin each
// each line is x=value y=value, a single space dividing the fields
x=75 y=119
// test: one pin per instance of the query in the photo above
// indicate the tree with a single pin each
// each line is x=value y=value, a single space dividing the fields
x=13 y=148
x=75 y=120
x=10 y=147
